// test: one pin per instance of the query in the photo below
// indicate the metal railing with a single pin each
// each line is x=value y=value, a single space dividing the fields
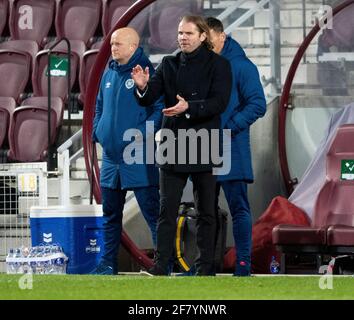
x=64 y=163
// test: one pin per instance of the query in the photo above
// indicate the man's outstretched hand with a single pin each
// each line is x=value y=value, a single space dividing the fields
x=140 y=76
x=180 y=107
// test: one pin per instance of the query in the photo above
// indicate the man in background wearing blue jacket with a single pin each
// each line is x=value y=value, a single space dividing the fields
x=117 y=111
x=247 y=104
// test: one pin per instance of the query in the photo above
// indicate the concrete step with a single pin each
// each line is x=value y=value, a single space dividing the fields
x=286 y=51
x=77 y=188
x=79 y=174
x=306 y=73
x=227 y=3
x=260 y=36
x=77 y=200
x=289 y=18
x=297 y=4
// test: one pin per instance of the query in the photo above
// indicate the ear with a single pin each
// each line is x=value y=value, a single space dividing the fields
x=223 y=36
x=203 y=36
x=133 y=47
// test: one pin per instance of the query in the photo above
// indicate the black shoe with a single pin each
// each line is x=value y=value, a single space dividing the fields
x=155 y=270
x=205 y=270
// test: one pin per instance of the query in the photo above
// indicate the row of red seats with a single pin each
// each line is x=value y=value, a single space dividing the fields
x=22 y=60
x=79 y=19
x=332 y=228
x=74 y=19
x=24 y=129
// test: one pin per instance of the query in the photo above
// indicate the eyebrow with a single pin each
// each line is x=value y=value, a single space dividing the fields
x=188 y=32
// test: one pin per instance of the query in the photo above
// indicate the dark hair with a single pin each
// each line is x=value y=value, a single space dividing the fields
x=215 y=24
x=202 y=26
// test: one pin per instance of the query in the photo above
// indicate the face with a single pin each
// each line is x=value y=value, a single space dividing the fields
x=121 y=48
x=189 y=37
x=218 y=40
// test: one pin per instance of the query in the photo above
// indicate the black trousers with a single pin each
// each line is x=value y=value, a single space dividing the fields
x=171 y=190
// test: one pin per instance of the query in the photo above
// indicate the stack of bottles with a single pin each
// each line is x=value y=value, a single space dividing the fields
x=42 y=259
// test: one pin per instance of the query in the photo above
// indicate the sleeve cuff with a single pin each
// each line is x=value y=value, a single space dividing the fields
x=140 y=93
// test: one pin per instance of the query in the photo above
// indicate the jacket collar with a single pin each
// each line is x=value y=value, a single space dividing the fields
x=137 y=56
x=197 y=54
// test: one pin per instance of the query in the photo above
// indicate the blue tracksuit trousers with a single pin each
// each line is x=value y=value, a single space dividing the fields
x=113 y=201
x=237 y=199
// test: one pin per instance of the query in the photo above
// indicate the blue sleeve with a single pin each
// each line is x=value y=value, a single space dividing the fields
x=98 y=111
x=251 y=99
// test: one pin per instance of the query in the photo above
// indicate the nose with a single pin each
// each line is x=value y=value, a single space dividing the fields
x=183 y=36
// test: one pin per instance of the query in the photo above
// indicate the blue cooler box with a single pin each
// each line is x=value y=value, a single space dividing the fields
x=76 y=228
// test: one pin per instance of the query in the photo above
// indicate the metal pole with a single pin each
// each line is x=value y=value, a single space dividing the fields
x=275 y=47
x=69 y=84
x=93 y=156
x=50 y=155
x=50 y=148
x=304 y=26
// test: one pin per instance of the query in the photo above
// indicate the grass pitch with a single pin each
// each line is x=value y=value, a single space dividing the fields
x=56 y=287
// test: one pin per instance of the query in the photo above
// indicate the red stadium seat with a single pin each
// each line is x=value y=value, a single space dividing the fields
x=15 y=69
x=332 y=227
x=29 y=46
x=40 y=23
x=59 y=86
x=7 y=107
x=163 y=21
x=76 y=46
x=97 y=45
x=4 y=4
x=335 y=200
x=28 y=134
x=57 y=105
x=77 y=19
x=114 y=9
x=86 y=65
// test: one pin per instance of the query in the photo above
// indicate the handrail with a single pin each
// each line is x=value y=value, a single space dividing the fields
x=223 y=15
x=64 y=162
x=50 y=155
x=68 y=143
x=246 y=15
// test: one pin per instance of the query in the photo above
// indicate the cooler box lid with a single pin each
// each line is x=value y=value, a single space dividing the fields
x=82 y=210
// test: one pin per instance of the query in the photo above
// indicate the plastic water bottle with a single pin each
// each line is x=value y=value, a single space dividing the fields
x=26 y=267
x=60 y=263
x=50 y=262
x=10 y=265
x=274 y=266
x=40 y=262
x=47 y=262
x=32 y=259
x=18 y=265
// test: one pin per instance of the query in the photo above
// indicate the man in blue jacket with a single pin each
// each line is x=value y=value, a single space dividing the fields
x=116 y=112
x=247 y=104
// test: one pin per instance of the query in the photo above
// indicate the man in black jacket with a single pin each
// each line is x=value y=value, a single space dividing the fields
x=196 y=84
